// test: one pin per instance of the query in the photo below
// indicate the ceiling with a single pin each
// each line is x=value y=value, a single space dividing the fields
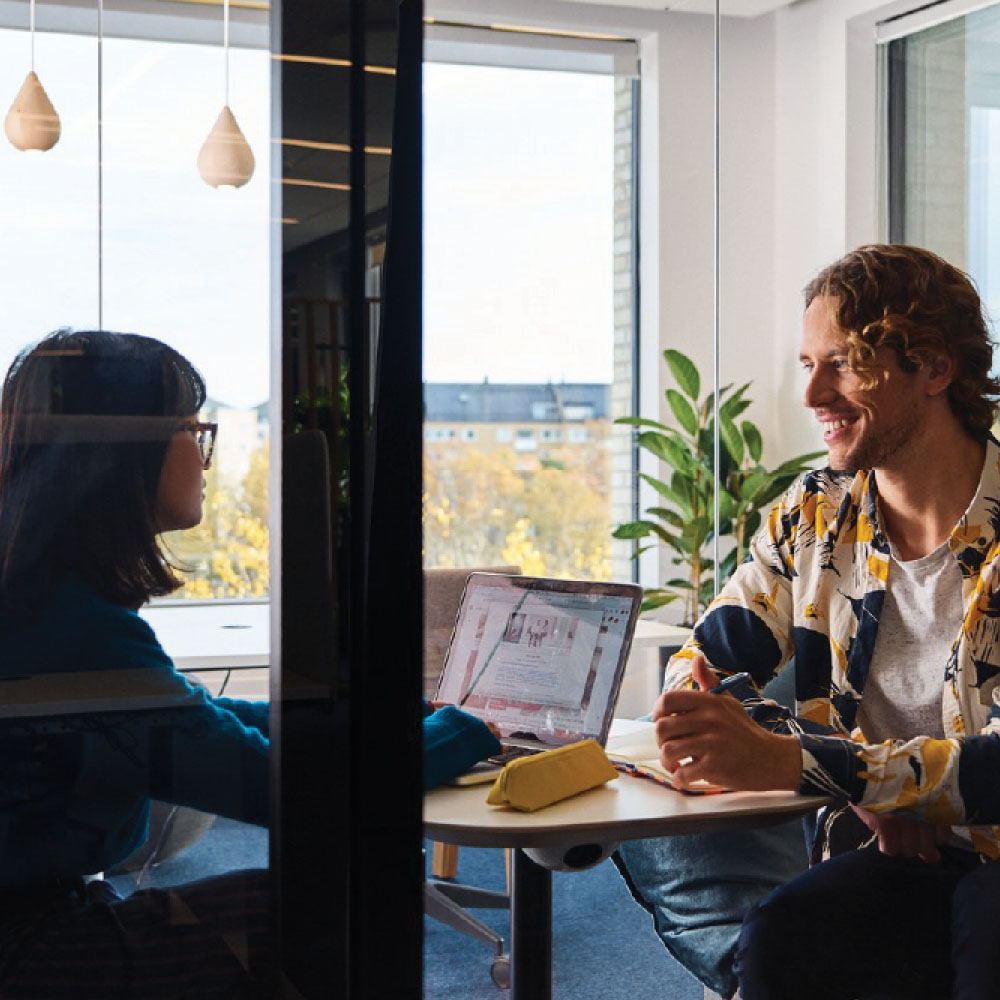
x=729 y=8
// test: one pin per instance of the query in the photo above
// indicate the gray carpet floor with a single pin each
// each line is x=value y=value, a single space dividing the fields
x=603 y=944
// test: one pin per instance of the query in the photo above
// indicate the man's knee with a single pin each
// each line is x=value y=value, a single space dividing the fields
x=768 y=937
x=975 y=908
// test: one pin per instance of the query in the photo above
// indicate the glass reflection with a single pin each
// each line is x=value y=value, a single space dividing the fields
x=99 y=455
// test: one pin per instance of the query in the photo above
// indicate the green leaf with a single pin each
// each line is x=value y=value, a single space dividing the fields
x=664 y=535
x=665 y=514
x=736 y=404
x=732 y=412
x=668 y=449
x=684 y=372
x=642 y=422
x=683 y=411
x=706 y=445
x=671 y=494
x=801 y=463
x=778 y=486
x=633 y=529
x=697 y=530
x=730 y=437
x=656 y=599
x=753 y=485
x=755 y=443
x=727 y=506
x=708 y=407
x=684 y=489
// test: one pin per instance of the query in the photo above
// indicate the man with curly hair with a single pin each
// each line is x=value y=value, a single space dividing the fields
x=880 y=575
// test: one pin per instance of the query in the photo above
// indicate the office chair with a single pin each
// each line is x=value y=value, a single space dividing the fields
x=447 y=901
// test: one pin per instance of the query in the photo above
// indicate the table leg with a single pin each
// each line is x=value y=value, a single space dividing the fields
x=530 y=930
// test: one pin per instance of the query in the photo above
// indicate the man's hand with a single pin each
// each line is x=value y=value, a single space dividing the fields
x=911 y=838
x=710 y=737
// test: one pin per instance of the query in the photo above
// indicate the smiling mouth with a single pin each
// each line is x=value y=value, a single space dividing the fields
x=832 y=428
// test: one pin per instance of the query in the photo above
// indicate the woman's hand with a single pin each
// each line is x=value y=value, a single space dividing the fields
x=435 y=705
x=709 y=737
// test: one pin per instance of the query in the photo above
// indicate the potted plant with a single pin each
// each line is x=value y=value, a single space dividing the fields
x=684 y=524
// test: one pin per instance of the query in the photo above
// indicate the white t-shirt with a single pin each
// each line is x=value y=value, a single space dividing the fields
x=920 y=618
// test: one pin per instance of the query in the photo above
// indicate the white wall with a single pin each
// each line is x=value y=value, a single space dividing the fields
x=826 y=180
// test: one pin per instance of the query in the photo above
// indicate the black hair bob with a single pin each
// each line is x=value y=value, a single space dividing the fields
x=86 y=418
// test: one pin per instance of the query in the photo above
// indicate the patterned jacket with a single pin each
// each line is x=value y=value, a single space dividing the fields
x=812 y=587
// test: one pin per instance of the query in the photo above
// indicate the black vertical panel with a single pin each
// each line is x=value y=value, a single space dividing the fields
x=387 y=887
x=346 y=727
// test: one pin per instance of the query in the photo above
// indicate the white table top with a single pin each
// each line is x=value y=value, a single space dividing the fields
x=213 y=636
x=627 y=808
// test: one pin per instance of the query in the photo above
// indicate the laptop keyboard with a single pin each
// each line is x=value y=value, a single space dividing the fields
x=511 y=753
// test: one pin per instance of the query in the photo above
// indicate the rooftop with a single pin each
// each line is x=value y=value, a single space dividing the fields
x=515 y=402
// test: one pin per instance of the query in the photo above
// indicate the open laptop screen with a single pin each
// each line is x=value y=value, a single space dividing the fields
x=540 y=657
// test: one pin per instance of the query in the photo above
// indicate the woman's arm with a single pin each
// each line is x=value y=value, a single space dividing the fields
x=453 y=742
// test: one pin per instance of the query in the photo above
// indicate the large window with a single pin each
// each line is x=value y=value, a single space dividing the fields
x=137 y=241
x=529 y=317
x=944 y=144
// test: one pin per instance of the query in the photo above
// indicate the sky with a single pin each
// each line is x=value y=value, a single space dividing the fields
x=518 y=224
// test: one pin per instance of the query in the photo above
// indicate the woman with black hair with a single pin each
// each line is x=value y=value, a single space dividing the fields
x=100 y=452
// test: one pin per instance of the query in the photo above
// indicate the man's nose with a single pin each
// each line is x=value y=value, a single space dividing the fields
x=819 y=390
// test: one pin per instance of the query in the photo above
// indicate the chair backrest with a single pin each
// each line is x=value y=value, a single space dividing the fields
x=442 y=593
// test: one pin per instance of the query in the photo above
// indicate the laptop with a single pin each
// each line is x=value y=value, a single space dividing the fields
x=541 y=660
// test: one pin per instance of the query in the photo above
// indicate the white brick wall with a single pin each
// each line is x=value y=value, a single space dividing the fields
x=622 y=480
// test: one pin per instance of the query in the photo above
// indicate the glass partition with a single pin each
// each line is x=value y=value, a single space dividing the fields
x=134 y=470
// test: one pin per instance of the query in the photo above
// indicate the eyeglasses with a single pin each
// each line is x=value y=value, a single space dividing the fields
x=204 y=434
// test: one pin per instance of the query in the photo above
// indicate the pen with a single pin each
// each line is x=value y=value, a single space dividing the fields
x=730 y=682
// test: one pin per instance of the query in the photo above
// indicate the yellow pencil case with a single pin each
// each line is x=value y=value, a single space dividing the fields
x=530 y=783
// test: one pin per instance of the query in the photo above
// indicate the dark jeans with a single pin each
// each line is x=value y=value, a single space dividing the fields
x=863 y=926
x=208 y=939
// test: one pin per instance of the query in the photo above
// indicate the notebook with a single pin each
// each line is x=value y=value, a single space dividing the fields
x=634 y=750
x=541 y=660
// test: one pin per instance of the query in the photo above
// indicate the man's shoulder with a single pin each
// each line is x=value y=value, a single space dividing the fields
x=827 y=486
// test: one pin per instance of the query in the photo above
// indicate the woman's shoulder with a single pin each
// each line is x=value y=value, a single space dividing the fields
x=79 y=629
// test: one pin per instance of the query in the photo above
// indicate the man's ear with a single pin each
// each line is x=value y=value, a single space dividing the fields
x=941 y=369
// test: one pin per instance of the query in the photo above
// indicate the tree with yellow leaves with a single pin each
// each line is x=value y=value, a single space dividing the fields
x=226 y=556
x=488 y=506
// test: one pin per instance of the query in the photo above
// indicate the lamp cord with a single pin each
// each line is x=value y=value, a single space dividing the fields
x=225 y=43
x=32 y=18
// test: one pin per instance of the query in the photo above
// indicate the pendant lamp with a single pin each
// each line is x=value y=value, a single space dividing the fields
x=32 y=122
x=226 y=159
